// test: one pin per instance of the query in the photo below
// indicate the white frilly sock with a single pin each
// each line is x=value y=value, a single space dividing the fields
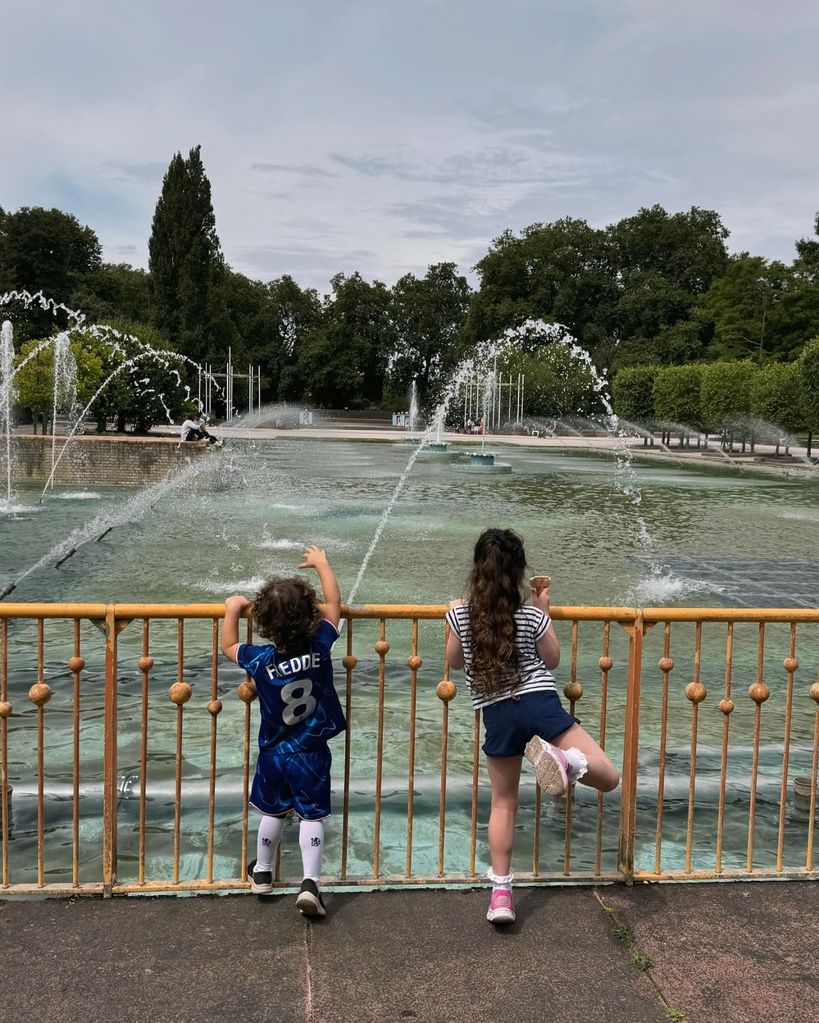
x=498 y=881
x=578 y=763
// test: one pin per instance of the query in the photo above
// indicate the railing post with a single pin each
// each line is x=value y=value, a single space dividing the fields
x=631 y=737
x=109 y=794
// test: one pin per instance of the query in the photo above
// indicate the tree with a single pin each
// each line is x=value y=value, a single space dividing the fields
x=565 y=272
x=684 y=249
x=809 y=387
x=776 y=397
x=272 y=321
x=557 y=385
x=144 y=382
x=665 y=261
x=34 y=382
x=807 y=262
x=342 y=363
x=677 y=399
x=187 y=271
x=114 y=291
x=726 y=396
x=429 y=314
x=44 y=250
x=633 y=393
x=759 y=309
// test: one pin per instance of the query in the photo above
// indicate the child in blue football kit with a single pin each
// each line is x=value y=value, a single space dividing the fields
x=300 y=711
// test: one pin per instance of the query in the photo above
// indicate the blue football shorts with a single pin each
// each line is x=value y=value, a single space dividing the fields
x=285 y=782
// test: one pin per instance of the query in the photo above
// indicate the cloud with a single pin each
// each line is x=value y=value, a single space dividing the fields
x=487 y=165
x=306 y=170
x=275 y=260
x=151 y=172
x=396 y=135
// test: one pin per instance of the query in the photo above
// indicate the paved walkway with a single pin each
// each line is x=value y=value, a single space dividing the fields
x=726 y=953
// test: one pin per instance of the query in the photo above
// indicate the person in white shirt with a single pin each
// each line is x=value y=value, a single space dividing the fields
x=193 y=429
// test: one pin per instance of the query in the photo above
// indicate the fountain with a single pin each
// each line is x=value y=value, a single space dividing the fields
x=438 y=450
x=197 y=536
x=485 y=461
x=7 y=399
x=412 y=420
x=64 y=382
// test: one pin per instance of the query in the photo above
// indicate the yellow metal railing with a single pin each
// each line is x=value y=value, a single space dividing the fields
x=127 y=745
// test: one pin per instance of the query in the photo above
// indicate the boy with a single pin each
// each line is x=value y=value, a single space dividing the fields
x=300 y=711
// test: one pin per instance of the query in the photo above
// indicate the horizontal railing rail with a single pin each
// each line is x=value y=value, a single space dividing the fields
x=127 y=747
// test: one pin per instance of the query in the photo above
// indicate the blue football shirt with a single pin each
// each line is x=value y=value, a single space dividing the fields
x=299 y=704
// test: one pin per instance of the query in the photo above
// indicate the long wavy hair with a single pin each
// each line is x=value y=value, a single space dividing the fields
x=496 y=591
x=286 y=610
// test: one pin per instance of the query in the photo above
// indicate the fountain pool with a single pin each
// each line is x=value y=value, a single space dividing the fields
x=259 y=503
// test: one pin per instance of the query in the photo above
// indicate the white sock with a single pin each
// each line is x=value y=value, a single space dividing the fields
x=311 y=840
x=267 y=841
x=578 y=763
x=498 y=881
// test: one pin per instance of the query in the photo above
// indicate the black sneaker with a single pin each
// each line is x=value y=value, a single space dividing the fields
x=309 y=902
x=261 y=881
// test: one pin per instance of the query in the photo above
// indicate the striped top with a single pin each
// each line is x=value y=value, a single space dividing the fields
x=530 y=626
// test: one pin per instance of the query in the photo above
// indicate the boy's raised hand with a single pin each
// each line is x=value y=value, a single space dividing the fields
x=237 y=604
x=313 y=557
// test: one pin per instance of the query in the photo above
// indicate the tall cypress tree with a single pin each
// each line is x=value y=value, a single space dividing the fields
x=186 y=264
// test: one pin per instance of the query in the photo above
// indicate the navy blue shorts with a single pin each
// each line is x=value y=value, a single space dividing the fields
x=510 y=724
x=293 y=781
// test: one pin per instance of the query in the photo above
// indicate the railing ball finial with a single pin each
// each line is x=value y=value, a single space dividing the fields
x=40 y=693
x=790 y=664
x=696 y=692
x=605 y=663
x=414 y=662
x=5 y=709
x=214 y=707
x=145 y=663
x=446 y=690
x=382 y=647
x=180 y=692
x=349 y=661
x=76 y=663
x=573 y=691
x=759 y=692
x=247 y=691
x=726 y=706
x=814 y=692
x=666 y=663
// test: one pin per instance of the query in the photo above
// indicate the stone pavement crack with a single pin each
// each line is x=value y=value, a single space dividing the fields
x=626 y=936
x=308 y=995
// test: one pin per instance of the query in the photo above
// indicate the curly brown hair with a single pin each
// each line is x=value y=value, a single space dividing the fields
x=496 y=591
x=286 y=610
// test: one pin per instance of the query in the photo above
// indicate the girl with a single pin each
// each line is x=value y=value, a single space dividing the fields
x=507 y=649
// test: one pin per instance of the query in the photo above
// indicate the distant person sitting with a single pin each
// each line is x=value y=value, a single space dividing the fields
x=193 y=429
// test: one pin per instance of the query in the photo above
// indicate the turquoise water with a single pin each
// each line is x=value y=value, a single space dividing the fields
x=250 y=512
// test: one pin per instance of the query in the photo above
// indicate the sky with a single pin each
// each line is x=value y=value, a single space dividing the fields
x=385 y=136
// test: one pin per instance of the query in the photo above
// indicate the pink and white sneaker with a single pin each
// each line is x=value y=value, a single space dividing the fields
x=550 y=764
x=501 y=910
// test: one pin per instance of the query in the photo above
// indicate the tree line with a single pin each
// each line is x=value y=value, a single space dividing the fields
x=656 y=289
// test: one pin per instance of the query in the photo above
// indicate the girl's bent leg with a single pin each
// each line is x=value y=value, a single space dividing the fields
x=504 y=776
x=602 y=774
